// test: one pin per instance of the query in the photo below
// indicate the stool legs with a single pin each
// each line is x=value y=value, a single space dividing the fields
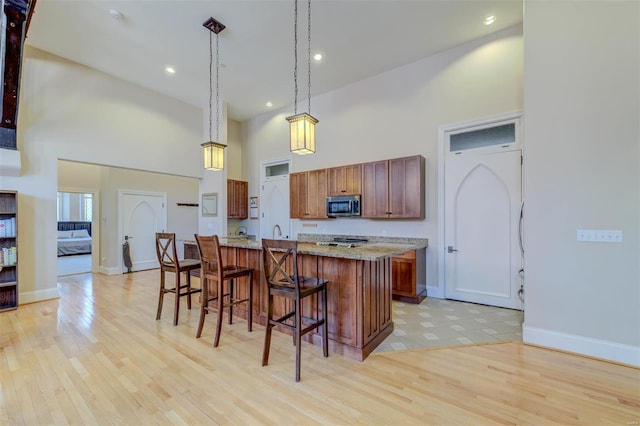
x=325 y=331
x=298 y=336
x=176 y=311
x=220 y=309
x=161 y=297
x=267 y=335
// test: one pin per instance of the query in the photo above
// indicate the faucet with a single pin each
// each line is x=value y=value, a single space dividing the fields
x=242 y=230
x=274 y=231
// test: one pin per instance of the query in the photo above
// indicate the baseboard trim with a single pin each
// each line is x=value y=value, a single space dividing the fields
x=38 y=296
x=435 y=292
x=605 y=349
x=104 y=270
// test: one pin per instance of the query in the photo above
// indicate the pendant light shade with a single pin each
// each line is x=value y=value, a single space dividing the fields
x=302 y=130
x=213 y=155
x=302 y=126
x=213 y=151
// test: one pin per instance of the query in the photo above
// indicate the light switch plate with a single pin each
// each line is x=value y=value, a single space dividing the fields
x=599 y=235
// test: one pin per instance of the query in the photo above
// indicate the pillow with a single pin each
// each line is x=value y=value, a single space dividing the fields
x=65 y=234
x=81 y=233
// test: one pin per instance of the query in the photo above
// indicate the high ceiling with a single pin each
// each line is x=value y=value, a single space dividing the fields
x=358 y=38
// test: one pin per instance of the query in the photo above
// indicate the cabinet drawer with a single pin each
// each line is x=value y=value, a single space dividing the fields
x=409 y=255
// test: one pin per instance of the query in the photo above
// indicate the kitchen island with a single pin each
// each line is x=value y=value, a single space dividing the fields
x=358 y=293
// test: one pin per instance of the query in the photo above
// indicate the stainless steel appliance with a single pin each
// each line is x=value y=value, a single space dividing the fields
x=343 y=206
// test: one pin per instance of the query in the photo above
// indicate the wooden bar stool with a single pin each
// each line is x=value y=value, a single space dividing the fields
x=214 y=270
x=169 y=262
x=276 y=255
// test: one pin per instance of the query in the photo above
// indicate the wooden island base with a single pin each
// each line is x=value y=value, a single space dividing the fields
x=358 y=297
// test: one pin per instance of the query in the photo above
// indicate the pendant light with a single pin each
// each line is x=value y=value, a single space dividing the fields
x=213 y=151
x=302 y=127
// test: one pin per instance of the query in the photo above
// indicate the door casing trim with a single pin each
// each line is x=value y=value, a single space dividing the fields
x=439 y=291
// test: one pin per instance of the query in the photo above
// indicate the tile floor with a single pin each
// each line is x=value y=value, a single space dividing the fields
x=438 y=322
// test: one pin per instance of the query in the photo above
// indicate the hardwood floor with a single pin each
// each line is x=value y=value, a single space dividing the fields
x=98 y=356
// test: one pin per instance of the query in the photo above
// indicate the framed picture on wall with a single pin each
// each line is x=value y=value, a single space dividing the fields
x=210 y=204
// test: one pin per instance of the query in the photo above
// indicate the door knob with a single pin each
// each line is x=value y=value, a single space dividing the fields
x=450 y=249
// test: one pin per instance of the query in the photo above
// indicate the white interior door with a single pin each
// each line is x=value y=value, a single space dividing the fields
x=483 y=197
x=141 y=216
x=275 y=209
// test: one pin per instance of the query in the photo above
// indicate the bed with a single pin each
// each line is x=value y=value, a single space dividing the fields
x=74 y=238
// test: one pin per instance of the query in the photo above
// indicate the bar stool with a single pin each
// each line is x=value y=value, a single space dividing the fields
x=169 y=262
x=276 y=255
x=214 y=270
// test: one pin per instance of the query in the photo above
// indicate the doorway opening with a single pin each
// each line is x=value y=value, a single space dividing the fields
x=75 y=238
x=274 y=192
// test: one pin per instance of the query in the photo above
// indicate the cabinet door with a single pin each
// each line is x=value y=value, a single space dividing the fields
x=298 y=195
x=316 y=194
x=237 y=199
x=353 y=179
x=406 y=188
x=335 y=181
x=404 y=274
x=345 y=180
x=375 y=178
x=242 y=199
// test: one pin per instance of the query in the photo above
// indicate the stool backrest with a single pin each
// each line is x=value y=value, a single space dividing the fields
x=278 y=255
x=210 y=256
x=166 y=250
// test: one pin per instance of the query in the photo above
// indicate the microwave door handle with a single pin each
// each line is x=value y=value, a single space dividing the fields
x=350 y=206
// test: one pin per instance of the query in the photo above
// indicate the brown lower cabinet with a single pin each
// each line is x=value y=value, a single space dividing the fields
x=409 y=276
x=359 y=297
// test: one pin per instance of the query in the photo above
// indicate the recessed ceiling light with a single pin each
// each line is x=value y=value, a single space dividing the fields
x=269 y=104
x=317 y=56
x=115 y=14
x=170 y=70
x=489 y=20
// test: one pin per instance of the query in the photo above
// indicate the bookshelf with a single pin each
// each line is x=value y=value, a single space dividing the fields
x=8 y=250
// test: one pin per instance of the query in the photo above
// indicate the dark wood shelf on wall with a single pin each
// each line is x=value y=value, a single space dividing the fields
x=187 y=204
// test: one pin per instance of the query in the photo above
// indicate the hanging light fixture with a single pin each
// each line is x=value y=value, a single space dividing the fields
x=214 y=151
x=302 y=127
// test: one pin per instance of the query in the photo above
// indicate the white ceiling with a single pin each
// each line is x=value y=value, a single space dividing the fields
x=358 y=38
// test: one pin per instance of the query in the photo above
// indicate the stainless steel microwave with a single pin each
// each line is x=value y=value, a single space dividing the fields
x=346 y=205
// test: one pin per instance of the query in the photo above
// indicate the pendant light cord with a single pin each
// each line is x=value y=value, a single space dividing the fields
x=210 y=83
x=309 y=53
x=217 y=88
x=295 y=57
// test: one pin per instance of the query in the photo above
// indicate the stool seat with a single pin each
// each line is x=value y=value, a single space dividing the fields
x=214 y=274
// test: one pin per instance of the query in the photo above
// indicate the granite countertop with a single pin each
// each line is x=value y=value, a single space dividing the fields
x=377 y=248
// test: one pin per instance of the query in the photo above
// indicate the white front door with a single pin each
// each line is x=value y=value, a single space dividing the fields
x=141 y=216
x=482 y=212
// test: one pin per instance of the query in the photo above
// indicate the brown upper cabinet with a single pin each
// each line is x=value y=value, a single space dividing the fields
x=345 y=180
x=308 y=194
x=237 y=199
x=393 y=189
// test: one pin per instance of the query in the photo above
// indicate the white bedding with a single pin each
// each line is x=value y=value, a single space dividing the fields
x=73 y=242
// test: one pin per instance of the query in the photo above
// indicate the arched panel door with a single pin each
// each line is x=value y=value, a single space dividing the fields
x=142 y=215
x=482 y=209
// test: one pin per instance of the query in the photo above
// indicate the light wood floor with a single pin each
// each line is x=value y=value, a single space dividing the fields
x=98 y=356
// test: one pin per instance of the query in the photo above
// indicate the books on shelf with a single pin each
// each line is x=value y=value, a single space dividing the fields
x=8 y=256
x=8 y=227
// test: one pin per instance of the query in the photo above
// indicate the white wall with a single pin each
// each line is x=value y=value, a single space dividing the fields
x=397 y=114
x=582 y=166
x=183 y=221
x=68 y=111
